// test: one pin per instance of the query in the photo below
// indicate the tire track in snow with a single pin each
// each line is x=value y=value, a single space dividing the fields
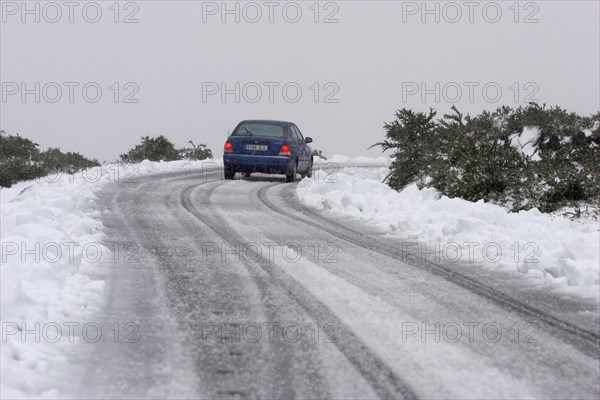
x=585 y=340
x=380 y=376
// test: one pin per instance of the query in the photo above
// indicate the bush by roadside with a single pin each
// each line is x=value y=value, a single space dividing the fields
x=161 y=148
x=21 y=159
x=195 y=152
x=529 y=157
x=319 y=153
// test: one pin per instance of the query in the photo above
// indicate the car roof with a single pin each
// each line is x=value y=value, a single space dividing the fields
x=266 y=121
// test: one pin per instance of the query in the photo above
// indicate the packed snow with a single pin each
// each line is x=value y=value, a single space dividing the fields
x=537 y=245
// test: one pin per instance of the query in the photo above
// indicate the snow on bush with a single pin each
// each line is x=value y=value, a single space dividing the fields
x=523 y=158
x=526 y=142
x=567 y=252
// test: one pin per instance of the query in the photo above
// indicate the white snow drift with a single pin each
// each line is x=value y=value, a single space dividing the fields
x=50 y=274
x=554 y=249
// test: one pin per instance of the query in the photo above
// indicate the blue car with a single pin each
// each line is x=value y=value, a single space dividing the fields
x=272 y=147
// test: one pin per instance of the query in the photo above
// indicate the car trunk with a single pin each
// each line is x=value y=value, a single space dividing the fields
x=256 y=146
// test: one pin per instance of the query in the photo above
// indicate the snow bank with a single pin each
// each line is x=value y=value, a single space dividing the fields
x=551 y=248
x=50 y=274
x=338 y=158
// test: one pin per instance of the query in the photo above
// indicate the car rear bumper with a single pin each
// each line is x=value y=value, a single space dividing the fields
x=254 y=163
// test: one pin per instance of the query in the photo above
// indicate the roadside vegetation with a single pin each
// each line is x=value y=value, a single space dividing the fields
x=21 y=159
x=162 y=149
x=319 y=153
x=523 y=158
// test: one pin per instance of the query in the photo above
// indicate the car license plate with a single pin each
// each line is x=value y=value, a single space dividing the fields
x=256 y=147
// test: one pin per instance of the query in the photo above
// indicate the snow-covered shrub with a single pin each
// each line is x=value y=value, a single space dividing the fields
x=318 y=153
x=522 y=158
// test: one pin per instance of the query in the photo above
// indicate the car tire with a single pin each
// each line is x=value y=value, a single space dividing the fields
x=291 y=175
x=229 y=174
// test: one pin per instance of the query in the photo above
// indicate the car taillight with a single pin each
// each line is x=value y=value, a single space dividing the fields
x=228 y=147
x=285 y=150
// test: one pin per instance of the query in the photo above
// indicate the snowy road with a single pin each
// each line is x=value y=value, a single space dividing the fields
x=224 y=310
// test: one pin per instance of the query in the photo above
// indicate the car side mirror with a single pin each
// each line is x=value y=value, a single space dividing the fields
x=307 y=140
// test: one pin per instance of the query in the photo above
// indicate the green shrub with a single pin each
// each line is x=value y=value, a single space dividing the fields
x=200 y=152
x=154 y=149
x=20 y=159
x=162 y=149
x=54 y=160
x=480 y=157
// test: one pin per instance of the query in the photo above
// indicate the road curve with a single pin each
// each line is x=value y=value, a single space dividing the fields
x=239 y=292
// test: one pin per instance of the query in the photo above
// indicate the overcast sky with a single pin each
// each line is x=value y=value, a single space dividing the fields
x=355 y=63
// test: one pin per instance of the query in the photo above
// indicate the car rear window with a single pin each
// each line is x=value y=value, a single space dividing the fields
x=260 y=129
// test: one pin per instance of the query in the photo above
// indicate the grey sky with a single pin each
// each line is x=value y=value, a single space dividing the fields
x=370 y=62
